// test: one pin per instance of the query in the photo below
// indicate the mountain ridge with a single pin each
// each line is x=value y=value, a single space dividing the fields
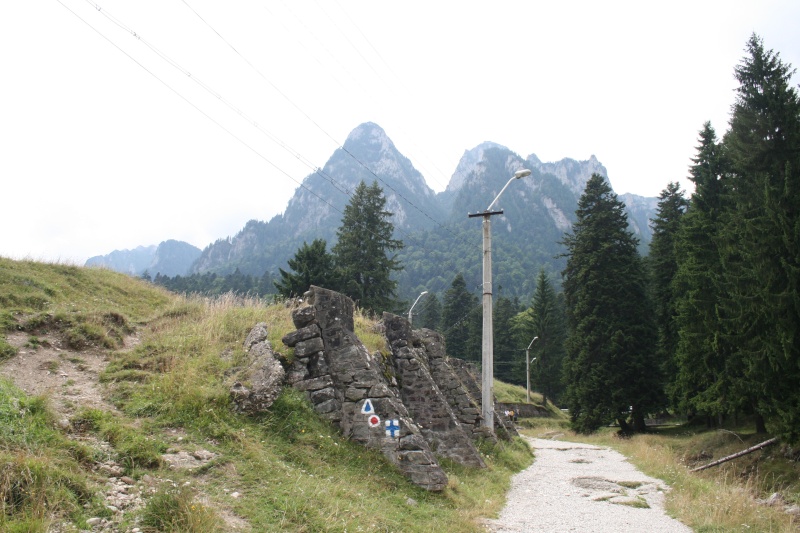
x=542 y=207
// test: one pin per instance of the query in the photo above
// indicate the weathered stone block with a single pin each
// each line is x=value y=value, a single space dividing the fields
x=314 y=383
x=303 y=316
x=354 y=394
x=417 y=458
x=257 y=334
x=317 y=366
x=379 y=390
x=322 y=395
x=328 y=406
x=303 y=334
x=308 y=347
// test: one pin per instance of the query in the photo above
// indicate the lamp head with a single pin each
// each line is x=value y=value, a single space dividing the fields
x=522 y=173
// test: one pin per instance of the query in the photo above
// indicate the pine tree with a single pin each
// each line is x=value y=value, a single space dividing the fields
x=362 y=253
x=702 y=384
x=311 y=265
x=431 y=314
x=506 y=348
x=663 y=265
x=611 y=367
x=545 y=320
x=457 y=313
x=763 y=147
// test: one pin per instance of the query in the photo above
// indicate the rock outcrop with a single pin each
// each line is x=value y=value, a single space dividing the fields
x=345 y=383
x=418 y=385
x=410 y=401
x=259 y=384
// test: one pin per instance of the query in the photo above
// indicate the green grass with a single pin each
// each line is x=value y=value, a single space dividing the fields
x=43 y=475
x=291 y=469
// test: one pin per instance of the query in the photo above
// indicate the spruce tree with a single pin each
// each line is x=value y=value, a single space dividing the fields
x=763 y=149
x=549 y=325
x=506 y=348
x=431 y=314
x=702 y=382
x=663 y=265
x=458 y=310
x=363 y=255
x=611 y=368
x=545 y=321
x=311 y=265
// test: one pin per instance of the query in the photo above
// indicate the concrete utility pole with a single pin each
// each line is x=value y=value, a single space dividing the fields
x=487 y=344
x=528 y=367
x=423 y=293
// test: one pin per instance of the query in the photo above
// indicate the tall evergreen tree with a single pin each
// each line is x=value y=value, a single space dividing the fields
x=545 y=319
x=610 y=364
x=550 y=327
x=763 y=147
x=702 y=383
x=663 y=265
x=506 y=348
x=311 y=265
x=431 y=314
x=363 y=254
x=457 y=313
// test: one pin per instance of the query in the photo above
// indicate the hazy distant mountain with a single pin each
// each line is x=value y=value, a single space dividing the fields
x=173 y=258
x=316 y=209
x=440 y=240
x=132 y=262
x=170 y=258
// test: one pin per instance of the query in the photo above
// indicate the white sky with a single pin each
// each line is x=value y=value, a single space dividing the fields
x=105 y=145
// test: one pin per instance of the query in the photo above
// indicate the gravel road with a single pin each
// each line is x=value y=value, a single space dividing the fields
x=580 y=487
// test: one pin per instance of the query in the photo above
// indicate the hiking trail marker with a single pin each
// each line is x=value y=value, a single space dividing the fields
x=393 y=428
x=374 y=421
x=367 y=408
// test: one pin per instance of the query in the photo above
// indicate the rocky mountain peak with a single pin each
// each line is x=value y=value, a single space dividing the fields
x=468 y=163
x=369 y=134
x=574 y=174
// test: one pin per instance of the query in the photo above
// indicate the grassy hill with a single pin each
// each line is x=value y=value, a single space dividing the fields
x=163 y=450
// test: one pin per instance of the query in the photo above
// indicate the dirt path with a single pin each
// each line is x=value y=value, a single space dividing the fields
x=70 y=381
x=574 y=487
x=68 y=378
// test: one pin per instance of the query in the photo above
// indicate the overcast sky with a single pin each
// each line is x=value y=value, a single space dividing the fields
x=126 y=123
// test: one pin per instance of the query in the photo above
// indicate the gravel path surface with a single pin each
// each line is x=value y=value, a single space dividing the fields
x=580 y=487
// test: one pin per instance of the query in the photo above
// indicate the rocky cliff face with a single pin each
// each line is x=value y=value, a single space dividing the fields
x=538 y=210
x=316 y=209
x=574 y=174
x=410 y=403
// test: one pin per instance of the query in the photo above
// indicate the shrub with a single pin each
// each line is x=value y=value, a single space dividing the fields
x=174 y=509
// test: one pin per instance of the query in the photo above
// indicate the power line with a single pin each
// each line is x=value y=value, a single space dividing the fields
x=207 y=88
x=340 y=145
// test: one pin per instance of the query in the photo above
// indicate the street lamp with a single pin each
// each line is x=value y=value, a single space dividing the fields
x=487 y=347
x=423 y=293
x=528 y=367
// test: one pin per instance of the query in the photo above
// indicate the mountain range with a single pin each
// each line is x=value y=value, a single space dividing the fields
x=440 y=240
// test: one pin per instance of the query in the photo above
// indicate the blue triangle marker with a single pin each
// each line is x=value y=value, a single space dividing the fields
x=367 y=407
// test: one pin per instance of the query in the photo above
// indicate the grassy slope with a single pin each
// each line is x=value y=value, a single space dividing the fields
x=291 y=469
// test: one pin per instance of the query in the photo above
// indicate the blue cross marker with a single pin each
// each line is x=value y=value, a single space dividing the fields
x=393 y=428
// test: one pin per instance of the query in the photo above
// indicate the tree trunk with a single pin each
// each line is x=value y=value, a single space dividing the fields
x=760 y=425
x=639 y=425
x=624 y=428
x=751 y=449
